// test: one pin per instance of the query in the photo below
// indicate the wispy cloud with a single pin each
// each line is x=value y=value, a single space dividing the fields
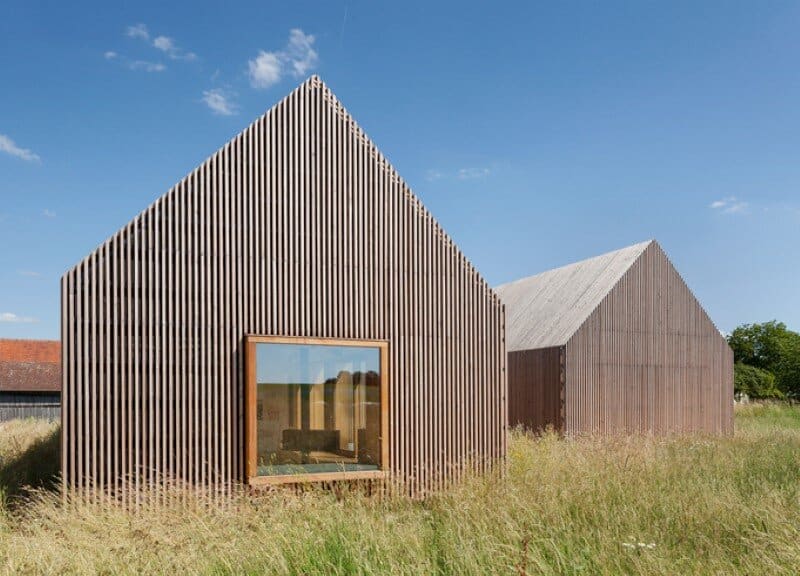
x=475 y=173
x=8 y=146
x=138 y=31
x=220 y=101
x=729 y=205
x=146 y=66
x=9 y=318
x=472 y=173
x=301 y=53
x=48 y=213
x=162 y=43
x=167 y=45
x=29 y=273
x=298 y=57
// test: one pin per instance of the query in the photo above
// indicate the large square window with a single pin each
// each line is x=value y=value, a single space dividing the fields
x=316 y=409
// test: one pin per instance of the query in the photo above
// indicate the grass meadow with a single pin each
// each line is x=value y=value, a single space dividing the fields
x=633 y=505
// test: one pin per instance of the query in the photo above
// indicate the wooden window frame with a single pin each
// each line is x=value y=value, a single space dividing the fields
x=250 y=426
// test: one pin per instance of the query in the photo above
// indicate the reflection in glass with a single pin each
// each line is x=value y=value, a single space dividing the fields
x=317 y=408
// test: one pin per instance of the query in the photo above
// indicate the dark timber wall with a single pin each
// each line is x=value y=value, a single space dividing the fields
x=534 y=388
x=30 y=379
x=22 y=405
x=649 y=359
x=298 y=226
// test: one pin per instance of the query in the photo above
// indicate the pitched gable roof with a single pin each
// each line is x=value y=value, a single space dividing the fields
x=313 y=83
x=545 y=310
x=30 y=366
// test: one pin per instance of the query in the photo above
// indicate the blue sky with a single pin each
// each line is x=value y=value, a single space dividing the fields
x=309 y=364
x=537 y=134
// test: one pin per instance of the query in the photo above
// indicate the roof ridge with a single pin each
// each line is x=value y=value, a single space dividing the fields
x=642 y=245
x=544 y=310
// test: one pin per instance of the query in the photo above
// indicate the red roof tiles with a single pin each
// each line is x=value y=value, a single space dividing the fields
x=30 y=366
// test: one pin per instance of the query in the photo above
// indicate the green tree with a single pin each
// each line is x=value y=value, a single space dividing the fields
x=754 y=382
x=758 y=344
x=772 y=347
x=787 y=372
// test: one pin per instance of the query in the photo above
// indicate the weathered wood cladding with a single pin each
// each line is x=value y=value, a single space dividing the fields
x=21 y=405
x=649 y=359
x=534 y=388
x=297 y=227
x=637 y=352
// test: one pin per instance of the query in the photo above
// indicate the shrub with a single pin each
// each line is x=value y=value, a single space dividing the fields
x=754 y=382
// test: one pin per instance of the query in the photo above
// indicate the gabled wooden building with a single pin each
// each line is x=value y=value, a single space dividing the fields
x=30 y=379
x=289 y=311
x=615 y=344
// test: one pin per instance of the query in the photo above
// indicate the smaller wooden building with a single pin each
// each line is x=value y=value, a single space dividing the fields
x=30 y=379
x=616 y=343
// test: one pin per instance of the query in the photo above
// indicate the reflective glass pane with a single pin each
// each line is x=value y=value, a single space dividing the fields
x=317 y=408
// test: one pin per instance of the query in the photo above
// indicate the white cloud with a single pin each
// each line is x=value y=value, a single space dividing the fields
x=729 y=205
x=738 y=207
x=29 y=273
x=9 y=318
x=300 y=52
x=167 y=45
x=220 y=101
x=432 y=174
x=265 y=70
x=147 y=66
x=138 y=31
x=8 y=146
x=48 y=213
x=164 y=43
x=110 y=55
x=299 y=57
x=472 y=173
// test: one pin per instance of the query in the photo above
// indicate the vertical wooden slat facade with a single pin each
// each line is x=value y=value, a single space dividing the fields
x=297 y=227
x=535 y=399
x=646 y=359
x=651 y=359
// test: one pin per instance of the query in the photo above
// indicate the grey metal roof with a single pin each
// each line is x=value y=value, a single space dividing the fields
x=547 y=309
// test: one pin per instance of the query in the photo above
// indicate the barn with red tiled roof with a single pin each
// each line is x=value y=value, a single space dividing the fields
x=30 y=379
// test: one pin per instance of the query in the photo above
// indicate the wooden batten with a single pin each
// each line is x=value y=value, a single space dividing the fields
x=621 y=344
x=650 y=359
x=298 y=227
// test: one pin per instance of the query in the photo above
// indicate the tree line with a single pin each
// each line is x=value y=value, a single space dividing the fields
x=767 y=360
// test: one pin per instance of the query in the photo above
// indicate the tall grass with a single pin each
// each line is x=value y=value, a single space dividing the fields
x=29 y=457
x=588 y=506
x=769 y=417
